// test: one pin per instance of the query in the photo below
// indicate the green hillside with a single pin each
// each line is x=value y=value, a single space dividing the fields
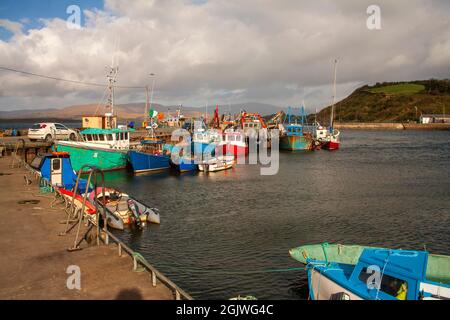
x=392 y=102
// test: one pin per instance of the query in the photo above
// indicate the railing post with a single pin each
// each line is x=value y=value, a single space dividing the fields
x=120 y=250
x=177 y=295
x=134 y=264
x=153 y=278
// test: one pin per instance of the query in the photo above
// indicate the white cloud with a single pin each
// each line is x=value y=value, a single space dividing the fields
x=12 y=26
x=220 y=51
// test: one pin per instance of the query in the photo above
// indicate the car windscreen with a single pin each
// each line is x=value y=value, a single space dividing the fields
x=36 y=126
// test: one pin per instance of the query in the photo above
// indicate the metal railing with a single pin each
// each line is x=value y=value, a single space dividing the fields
x=137 y=258
x=155 y=274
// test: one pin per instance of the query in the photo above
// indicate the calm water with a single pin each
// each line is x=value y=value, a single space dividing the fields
x=388 y=188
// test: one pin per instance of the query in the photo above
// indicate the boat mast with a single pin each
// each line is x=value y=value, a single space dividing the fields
x=146 y=105
x=111 y=81
x=334 y=96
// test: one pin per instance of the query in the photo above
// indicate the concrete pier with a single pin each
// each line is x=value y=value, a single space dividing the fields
x=35 y=259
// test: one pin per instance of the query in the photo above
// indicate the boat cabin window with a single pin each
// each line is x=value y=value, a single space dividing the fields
x=392 y=286
x=125 y=135
x=117 y=136
x=109 y=137
x=56 y=164
x=88 y=137
x=101 y=137
x=95 y=137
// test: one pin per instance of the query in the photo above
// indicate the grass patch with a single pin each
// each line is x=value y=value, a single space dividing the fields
x=406 y=88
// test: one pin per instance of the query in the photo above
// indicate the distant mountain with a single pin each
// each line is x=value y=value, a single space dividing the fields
x=392 y=102
x=133 y=111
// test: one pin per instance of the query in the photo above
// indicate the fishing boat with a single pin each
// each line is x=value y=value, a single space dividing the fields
x=293 y=136
x=129 y=210
x=352 y=272
x=254 y=127
x=332 y=141
x=149 y=156
x=106 y=147
x=205 y=141
x=233 y=143
x=252 y=121
x=217 y=164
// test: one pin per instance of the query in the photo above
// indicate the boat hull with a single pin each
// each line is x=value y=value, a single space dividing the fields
x=145 y=162
x=295 y=143
x=324 y=288
x=235 y=150
x=331 y=145
x=218 y=164
x=103 y=159
x=185 y=166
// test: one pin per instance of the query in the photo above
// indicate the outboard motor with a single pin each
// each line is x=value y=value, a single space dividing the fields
x=135 y=211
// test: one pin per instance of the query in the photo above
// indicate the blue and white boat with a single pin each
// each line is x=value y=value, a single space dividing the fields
x=341 y=272
x=56 y=169
x=149 y=157
x=205 y=141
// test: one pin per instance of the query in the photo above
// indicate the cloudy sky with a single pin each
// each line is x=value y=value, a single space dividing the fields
x=217 y=51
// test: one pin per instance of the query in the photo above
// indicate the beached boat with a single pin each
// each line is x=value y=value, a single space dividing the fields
x=341 y=272
x=150 y=156
x=217 y=164
x=124 y=207
x=233 y=143
x=294 y=137
x=105 y=149
x=56 y=169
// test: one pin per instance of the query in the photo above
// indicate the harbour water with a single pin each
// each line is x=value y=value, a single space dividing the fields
x=227 y=233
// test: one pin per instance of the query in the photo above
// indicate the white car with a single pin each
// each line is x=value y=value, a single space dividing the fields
x=48 y=131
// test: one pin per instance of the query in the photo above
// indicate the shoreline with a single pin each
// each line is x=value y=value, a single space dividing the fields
x=391 y=126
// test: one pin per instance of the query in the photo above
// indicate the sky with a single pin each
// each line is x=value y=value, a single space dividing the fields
x=218 y=51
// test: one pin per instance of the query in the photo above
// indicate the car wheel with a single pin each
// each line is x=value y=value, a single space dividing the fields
x=72 y=137
x=48 y=138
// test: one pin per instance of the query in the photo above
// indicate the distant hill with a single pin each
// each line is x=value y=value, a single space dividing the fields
x=132 y=111
x=392 y=102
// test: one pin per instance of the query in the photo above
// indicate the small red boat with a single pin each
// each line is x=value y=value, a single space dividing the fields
x=233 y=143
x=331 y=141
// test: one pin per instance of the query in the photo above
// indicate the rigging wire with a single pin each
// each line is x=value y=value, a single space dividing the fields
x=66 y=80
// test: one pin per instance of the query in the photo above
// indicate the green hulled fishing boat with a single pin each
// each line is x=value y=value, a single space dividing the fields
x=105 y=149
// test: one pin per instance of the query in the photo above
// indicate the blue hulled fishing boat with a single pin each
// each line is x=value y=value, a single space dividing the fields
x=341 y=272
x=294 y=137
x=150 y=156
